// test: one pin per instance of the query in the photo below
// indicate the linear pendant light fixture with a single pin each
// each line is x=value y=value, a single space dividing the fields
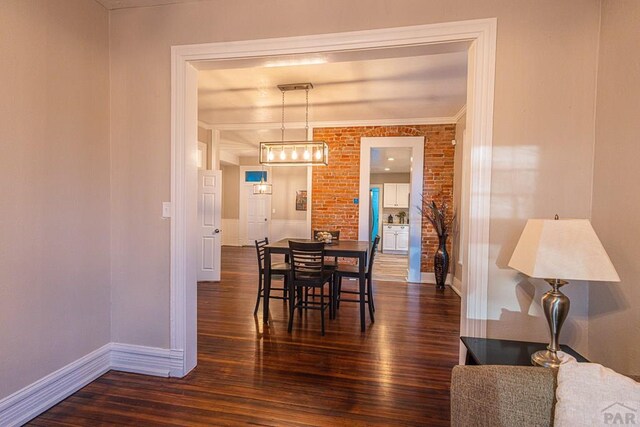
x=294 y=153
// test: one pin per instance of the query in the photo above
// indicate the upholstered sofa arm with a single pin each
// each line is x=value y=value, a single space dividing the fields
x=502 y=396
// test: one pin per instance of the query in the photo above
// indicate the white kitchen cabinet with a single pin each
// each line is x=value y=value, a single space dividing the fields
x=395 y=238
x=396 y=195
x=402 y=238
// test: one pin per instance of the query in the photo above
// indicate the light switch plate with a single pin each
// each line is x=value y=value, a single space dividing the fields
x=166 y=209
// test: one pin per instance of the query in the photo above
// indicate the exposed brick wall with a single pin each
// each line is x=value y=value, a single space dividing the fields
x=335 y=186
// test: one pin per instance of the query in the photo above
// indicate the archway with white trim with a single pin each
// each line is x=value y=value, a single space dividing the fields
x=481 y=38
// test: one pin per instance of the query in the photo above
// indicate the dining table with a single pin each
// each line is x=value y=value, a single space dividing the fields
x=356 y=249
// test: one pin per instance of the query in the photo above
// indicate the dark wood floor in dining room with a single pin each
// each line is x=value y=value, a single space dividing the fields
x=396 y=373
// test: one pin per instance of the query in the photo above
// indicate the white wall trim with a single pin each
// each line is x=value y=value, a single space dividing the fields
x=456 y=285
x=431 y=278
x=23 y=405
x=336 y=123
x=480 y=33
x=29 y=402
x=159 y=362
x=416 y=143
x=459 y=114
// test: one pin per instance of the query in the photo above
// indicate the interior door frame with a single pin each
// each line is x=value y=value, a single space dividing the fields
x=479 y=34
x=416 y=143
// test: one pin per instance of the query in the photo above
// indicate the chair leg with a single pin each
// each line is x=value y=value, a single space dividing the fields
x=339 y=292
x=286 y=287
x=332 y=313
x=370 y=292
x=292 y=305
x=260 y=277
x=370 y=304
x=322 y=309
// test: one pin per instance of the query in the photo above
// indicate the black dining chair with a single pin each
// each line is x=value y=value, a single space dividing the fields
x=309 y=272
x=277 y=268
x=352 y=272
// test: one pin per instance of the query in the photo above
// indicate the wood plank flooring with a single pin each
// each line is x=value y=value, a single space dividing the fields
x=390 y=267
x=396 y=373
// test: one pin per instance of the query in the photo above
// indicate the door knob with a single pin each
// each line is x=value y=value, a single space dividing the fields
x=216 y=231
x=265 y=220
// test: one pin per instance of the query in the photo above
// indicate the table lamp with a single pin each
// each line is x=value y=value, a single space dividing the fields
x=558 y=250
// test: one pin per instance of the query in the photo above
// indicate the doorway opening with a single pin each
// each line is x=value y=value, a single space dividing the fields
x=400 y=182
x=476 y=38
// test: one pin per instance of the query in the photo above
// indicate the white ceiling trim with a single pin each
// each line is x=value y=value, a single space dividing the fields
x=333 y=123
x=460 y=113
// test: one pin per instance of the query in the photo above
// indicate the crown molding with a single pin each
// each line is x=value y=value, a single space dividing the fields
x=331 y=123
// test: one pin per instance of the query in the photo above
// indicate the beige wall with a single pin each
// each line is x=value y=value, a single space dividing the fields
x=54 y=186
x=230 y=191
x=381 y=178
x=614 y=321
x=543 y=133
x=286 y=181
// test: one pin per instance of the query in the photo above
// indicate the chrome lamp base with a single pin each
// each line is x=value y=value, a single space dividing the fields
x=556 y=308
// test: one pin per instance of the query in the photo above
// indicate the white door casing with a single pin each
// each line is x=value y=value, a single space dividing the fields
x=416 y=144
x=480 y=34
x=209 y=220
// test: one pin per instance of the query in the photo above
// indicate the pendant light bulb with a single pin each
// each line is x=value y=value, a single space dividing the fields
x=306 y=155
x=294 y=154
x=283 y=155
x=318 y=154
x=270 y=155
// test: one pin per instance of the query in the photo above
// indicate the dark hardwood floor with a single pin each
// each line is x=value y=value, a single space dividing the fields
x=395 y=373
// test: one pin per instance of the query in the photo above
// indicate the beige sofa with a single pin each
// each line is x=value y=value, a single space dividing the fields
x=503 y=396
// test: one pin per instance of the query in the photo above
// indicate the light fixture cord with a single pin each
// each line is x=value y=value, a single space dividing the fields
x=306 y=126
x=282 y=126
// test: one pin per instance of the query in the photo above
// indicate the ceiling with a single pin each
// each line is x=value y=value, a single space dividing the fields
x=122 y=4
x=396 y=160
x=246 y=105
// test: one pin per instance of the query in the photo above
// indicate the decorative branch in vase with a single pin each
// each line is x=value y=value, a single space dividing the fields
x=442 y=223
x=401 y=216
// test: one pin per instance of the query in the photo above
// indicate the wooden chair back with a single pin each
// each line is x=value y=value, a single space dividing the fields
x=260 y=244
x=307 y=262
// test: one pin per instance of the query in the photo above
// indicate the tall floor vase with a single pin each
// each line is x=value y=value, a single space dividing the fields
x=441 y=262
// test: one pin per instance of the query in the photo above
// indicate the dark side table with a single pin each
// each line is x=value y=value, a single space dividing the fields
x=486 y=351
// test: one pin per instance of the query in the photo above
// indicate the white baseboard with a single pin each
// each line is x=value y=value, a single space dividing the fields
x=457 y=286
x=41 y=395
x=159 y=362
x=293 y=228
x=26 y=404
x=431 y=278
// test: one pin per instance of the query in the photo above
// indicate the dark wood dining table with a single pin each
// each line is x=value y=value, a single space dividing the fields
x=338 y=248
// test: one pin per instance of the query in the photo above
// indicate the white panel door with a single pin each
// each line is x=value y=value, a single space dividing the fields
x=402 y=195
x=209 y=220
x=258 y=215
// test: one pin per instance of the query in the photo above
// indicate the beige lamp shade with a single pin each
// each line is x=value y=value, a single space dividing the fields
x=566 y=249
